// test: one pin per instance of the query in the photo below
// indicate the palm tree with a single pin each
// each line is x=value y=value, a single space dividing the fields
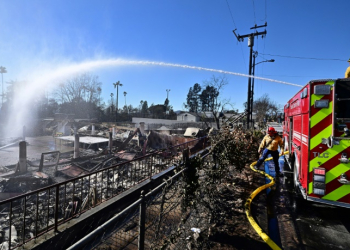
x=125 y=97
x=125 y=102
x=2 y=71
x=116 y=85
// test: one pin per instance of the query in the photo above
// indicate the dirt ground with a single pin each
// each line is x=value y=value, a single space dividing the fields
x=236 y=232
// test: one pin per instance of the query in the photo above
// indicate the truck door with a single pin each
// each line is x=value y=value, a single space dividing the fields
x=290 y=138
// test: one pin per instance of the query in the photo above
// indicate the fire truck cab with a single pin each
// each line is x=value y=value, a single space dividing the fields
x=316 y=123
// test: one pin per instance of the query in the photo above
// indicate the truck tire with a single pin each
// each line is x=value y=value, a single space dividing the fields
x=296 y=204
x=296 y=199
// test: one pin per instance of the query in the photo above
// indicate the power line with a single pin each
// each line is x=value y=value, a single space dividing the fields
x=254 y=11
x=236 y=28
x=306 y=58
x=231 y=14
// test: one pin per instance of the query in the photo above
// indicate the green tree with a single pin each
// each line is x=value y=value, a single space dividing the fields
x=207 y=99
x=144 y=108
x=166 y=103
x=157 y=111
x=193 y=98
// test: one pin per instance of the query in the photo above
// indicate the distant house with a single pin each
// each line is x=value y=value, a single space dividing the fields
x=196 y=117
x=188 y=117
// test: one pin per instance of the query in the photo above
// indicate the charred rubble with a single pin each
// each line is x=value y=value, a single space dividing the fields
x=55 y=167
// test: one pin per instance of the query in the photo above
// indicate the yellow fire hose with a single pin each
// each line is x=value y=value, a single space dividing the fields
x=258 y=229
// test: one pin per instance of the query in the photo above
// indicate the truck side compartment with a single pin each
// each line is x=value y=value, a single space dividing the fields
x=316 y=132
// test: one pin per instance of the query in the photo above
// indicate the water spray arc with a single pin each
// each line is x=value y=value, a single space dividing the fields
x=121 y=62
x=23 y=101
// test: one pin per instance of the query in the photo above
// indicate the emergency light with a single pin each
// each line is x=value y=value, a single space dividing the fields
x=322 y=90
x=319 y=181
x=321 y=104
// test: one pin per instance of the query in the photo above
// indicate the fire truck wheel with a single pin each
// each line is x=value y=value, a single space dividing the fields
x=296 y=204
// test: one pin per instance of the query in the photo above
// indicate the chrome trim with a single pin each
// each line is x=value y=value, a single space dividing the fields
x=343 y=179
x=332 y=203
x=301 y=190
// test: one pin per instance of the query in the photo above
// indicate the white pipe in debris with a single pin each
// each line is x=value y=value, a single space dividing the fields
x=76 y=146
x=22 y=157
x=113 y=132
x=93 y=129
x=142 y=127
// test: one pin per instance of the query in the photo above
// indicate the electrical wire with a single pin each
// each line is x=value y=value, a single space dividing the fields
x=245 y=65
x=254 y=12
x=306 y=58
x=231 y=14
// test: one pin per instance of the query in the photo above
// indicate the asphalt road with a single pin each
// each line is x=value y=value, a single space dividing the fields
x=304 y=224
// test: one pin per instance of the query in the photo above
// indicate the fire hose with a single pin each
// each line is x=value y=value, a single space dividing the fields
x=255 y=225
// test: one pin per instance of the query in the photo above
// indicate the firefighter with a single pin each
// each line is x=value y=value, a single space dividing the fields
x=347 y=72
x=269 y=145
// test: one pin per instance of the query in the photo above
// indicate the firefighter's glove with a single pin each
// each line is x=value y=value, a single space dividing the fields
x=282 y=152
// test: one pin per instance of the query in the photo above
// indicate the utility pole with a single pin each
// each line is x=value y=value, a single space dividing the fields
x=255 y=54
x=167 y=100
x=251 y=45
x=167 y=94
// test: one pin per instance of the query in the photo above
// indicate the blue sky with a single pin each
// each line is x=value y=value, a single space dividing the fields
x=40 y=37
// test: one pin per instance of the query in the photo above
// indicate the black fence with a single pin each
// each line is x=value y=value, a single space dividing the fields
x=35 y=213
x=155 y=221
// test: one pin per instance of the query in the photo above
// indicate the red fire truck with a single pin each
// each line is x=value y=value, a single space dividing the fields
x=316 y=124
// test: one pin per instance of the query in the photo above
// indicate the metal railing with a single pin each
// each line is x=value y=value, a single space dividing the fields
x=149 y=223
x=30 y=215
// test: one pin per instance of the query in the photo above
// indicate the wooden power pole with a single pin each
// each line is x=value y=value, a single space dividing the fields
x=250 y=90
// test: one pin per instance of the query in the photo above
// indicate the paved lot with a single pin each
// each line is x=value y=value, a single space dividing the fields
x=35 y=146
x=295 y=223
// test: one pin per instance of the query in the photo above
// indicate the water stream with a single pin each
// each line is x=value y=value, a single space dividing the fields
x=47 y=79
